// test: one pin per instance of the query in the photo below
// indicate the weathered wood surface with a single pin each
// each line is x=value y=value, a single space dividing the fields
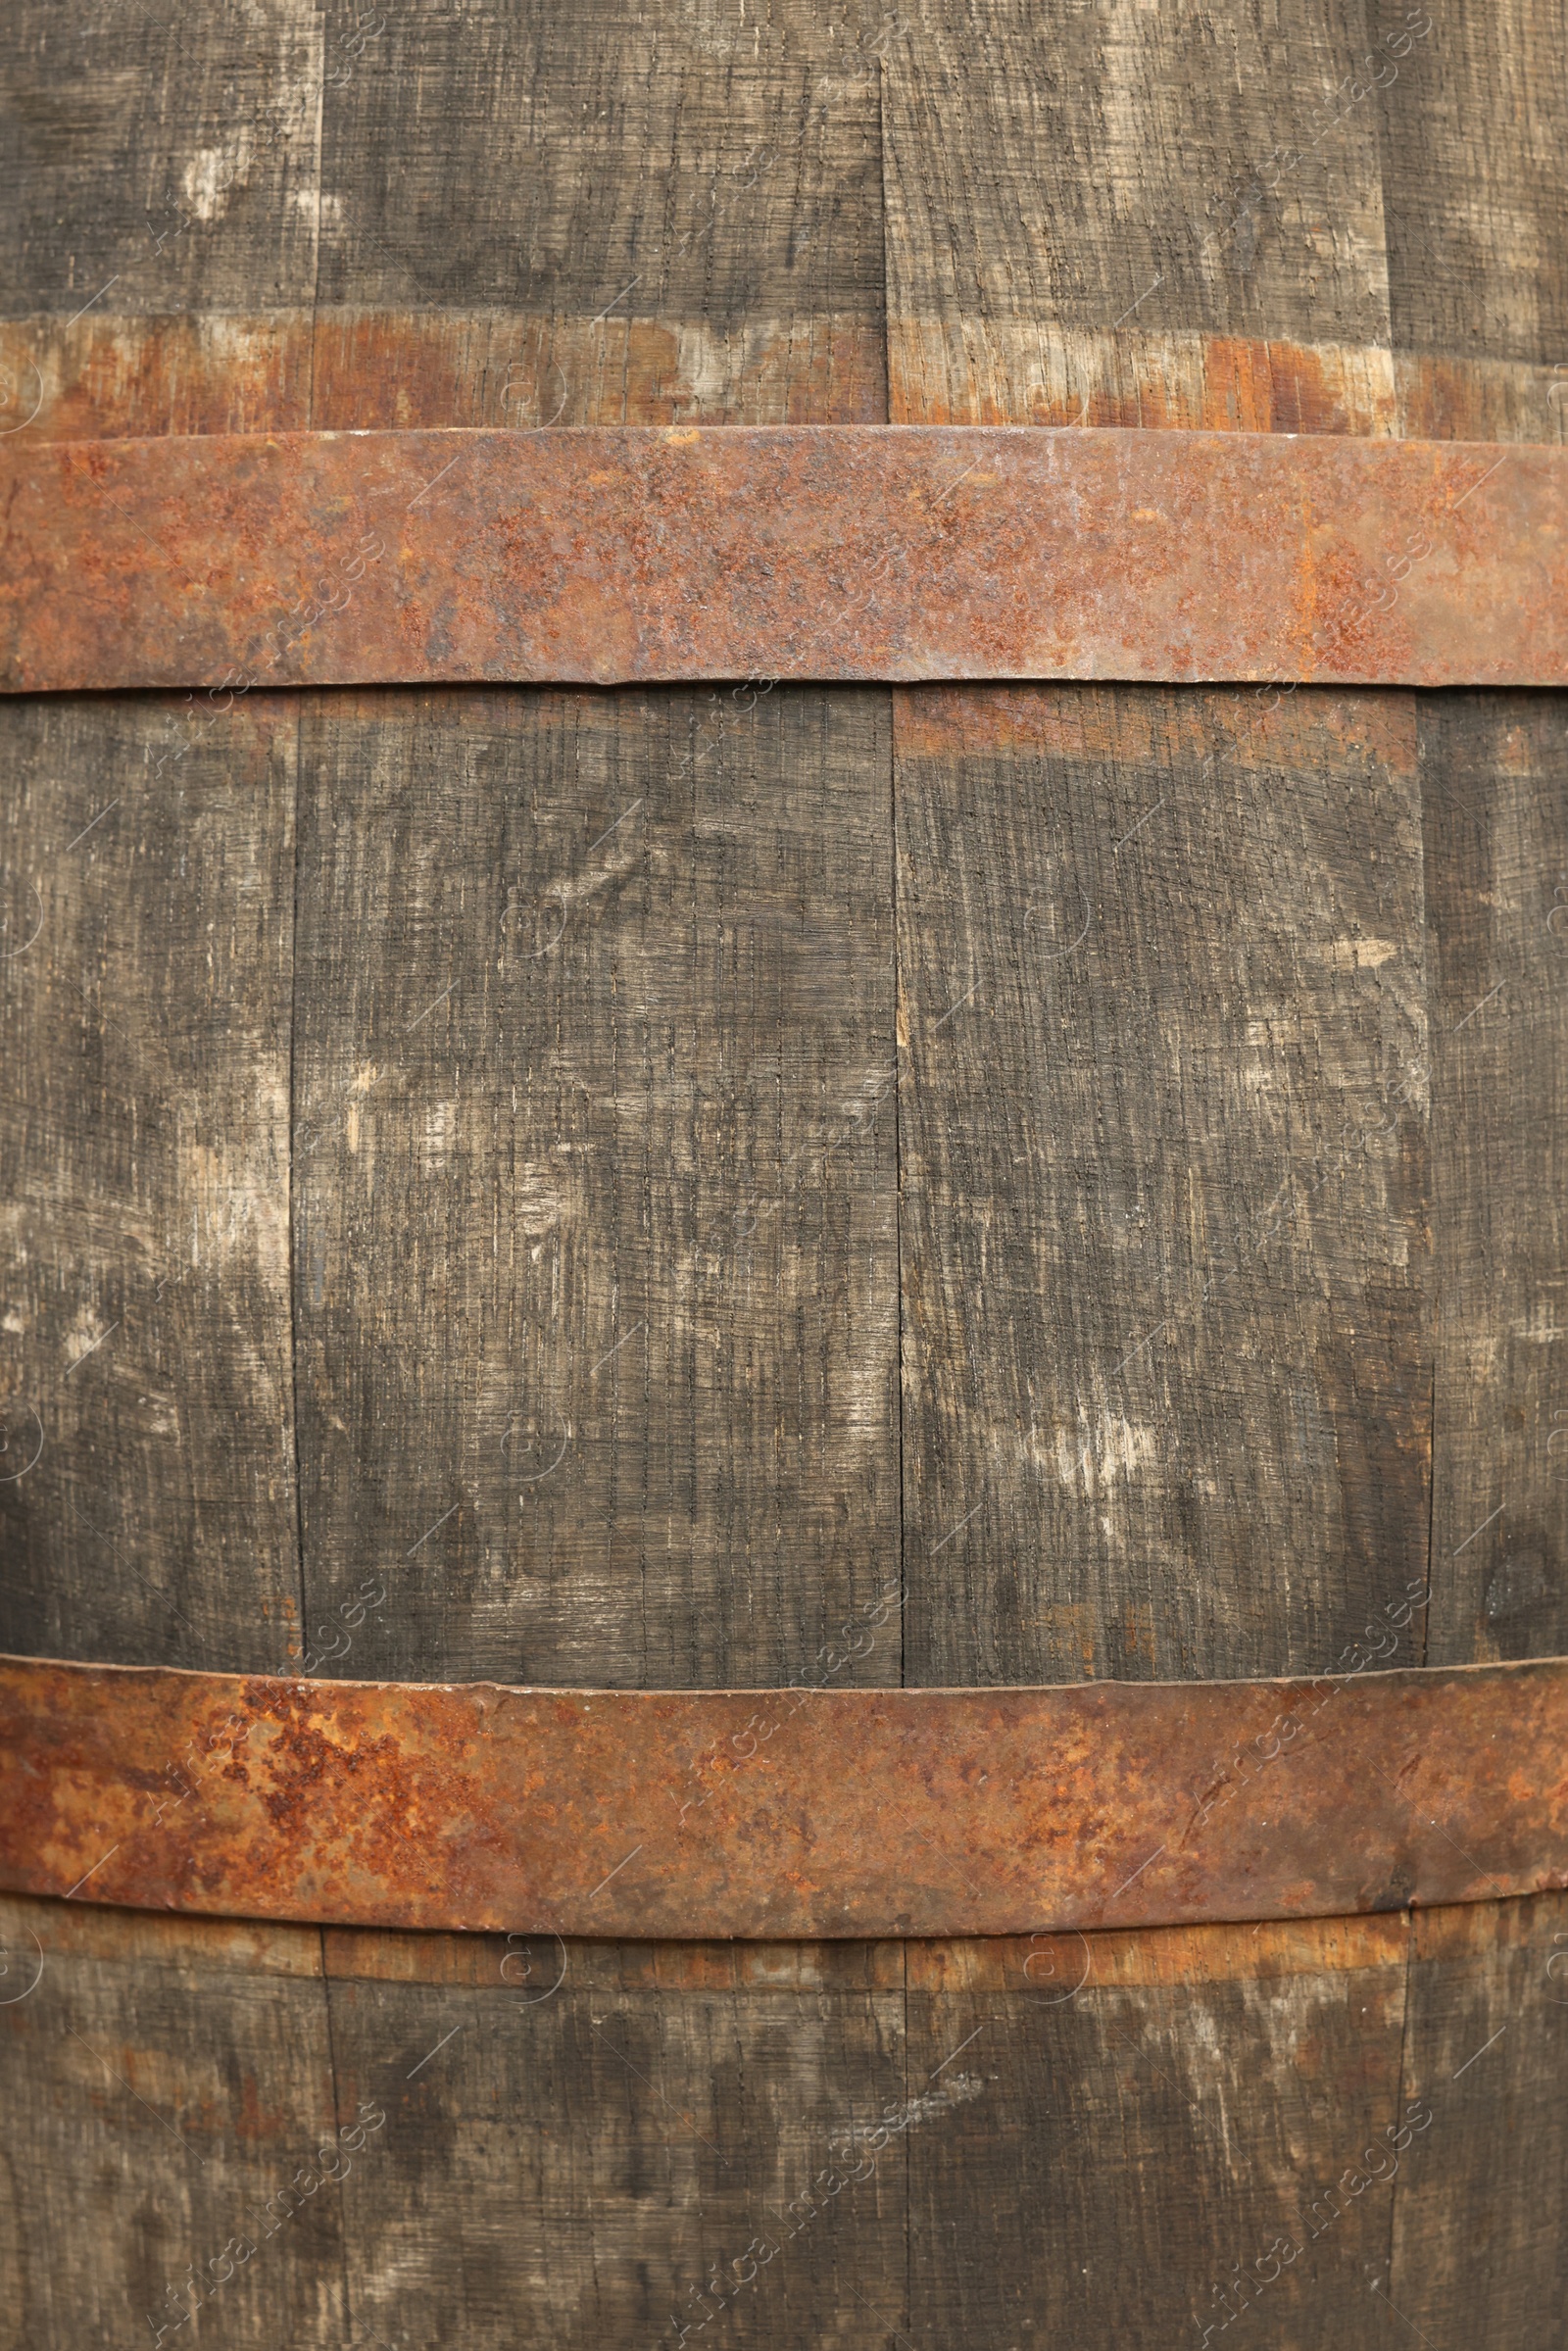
x=147 y=1504
x=589 y=990
x=959 y=218
x=991 y=102
x=647 y=1338
x=591 y=2142
x=1493 y=772
x=1167 y=1380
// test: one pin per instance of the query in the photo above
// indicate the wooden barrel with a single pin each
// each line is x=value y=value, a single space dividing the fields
x=1132 y=1117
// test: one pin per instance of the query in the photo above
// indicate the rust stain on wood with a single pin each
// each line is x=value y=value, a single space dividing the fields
x=767 y=1814
x=350 y=367
x=1256 y=732
x=837 y=552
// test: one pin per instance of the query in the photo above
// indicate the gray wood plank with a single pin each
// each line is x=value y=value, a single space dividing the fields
x=1165 y=1363
x=1113 y=2174
x=144 y=1336
x=597 y=1287
x=1079 y=196
x=1474 y=196
x=656 y=1416
x=585 y=2165
x=665 y=219
x=1479 y=2250
x=154 y=171
x=1494 y=778
x=1166 y=1360
x=1476 y=264
x=175 y=2091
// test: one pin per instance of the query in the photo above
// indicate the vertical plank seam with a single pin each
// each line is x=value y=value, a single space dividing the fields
x=909 y=2150
x=1431 y=997
x=897 y=1189
x=898 y=1167
x=1404 y=2050
x=315 y=246
x=332 y=2085
x=882 y=202
x=1431 y=1431
x=292 y=1202
x=898 y=976
x=293 y=961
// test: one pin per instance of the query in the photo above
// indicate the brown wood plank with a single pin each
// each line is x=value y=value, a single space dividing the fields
x=1166 y=1373
x=596 y=1258
x=1476 y=260
x=162 y=173
x=1164 y=1356
x=1057 y=179
x=1475 y=202
x=592 y=2143
x=581 y=2163
x=658 y=1216
x=1496 y=860
x=164 y=2100
x=1476 y=2250
x=1104 y=2119
x=676 y=220
x=158 y=218
x=658 y=1113
x=148 y=852
x=152 y=187
x=1106 y=2165
x=1476 y=313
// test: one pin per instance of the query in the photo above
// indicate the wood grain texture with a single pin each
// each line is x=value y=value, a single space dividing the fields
x=1131 y=2175
x=1166 y=1369
x=649 y=1344
x=1118 y=2166
x=102 y=375
x=1476 y=265
x=1477 y=2248
x=596 y=1257
x=990 y=320
x=584 y=2163
x=983 y=370
x=169 y=2093
x=676 y=220
x=160 y=232
x=1475 y=204
x=399 y=368
x=173 y=174
x=1165 y=1342
x=144 y=1336
x=1092 y=171
x=567 y=2155
x=1492 y=776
